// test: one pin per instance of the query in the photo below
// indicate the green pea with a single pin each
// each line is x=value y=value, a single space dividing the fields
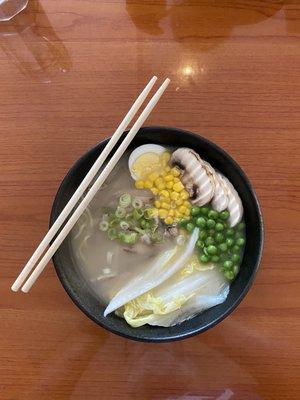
x=240 y=242
x=224 y=215
x=235 y=270
x=190 y=227
x=213 y=214
x=235 y=258
x=223 y=247
x=235 y=249
x=204 y=259
x=229 y=275
x=201 y=222
x=210 y=240
x=229 y=242
x=228 y=264
x=226 y=224
x=219 y=227
x=204 y=210
x=219 y=237
x=183 y=223
x=199 y=244
x=215 y=259
x=230 y=232
x=210 y=223
x=205 y=251
x=212 y=250
x=238 y=235
x=202 y=235
x=241 y=226
x=211 y=232
x=195 y=211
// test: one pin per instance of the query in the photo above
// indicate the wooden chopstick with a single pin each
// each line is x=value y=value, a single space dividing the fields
x=94 y=189
x=82 y=187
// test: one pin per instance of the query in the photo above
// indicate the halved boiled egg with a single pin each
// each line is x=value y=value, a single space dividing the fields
x=144 y=160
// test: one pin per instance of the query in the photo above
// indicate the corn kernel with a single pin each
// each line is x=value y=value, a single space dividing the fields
x=162 y=213
x=169 y=185
x=179 y=202
x=167 y=169
x=173 y=204
x=187 y=204
x=182 y=209
x=157 y=204
x=165 y=205
x=153 y=176
x=154 y=190
x=169 y=178
x=184 y=195
x=163 y=199
x=139 y=184
x=176 y=180
x=169 y=220
x=174 y=196
x=165 y=193
x=161 y=186
x=187 y=212
x=158 y=182
x=175 y=172
x=177 y=214
x=178 y=187
x=148 y=184
x=171 y=213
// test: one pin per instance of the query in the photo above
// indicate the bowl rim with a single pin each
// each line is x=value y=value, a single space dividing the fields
x=180 y=336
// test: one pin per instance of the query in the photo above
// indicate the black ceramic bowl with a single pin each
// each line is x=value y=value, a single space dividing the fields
x=78 y=289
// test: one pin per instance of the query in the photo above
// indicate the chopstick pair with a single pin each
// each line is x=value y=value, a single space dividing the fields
x=84 y=185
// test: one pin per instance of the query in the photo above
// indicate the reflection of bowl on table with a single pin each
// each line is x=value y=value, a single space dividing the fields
x=78 y=288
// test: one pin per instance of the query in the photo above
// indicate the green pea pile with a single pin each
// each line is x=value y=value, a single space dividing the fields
x=217 y=242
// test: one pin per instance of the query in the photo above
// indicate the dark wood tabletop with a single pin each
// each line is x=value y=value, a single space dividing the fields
x=69 y=71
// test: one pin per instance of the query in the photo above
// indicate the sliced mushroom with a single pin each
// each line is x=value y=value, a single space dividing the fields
x=221 y=199
x=235 y=206
x=195 y=176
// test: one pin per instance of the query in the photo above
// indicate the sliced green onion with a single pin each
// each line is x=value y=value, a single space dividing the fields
x=103 y=226
x=143 y=223
x=150 y=213
x=112 y=222
x=137 y=203
x=130 y=238
x=125 y=200
x=137 y=214
x=157 y=237
x=139 y=230
x=120 y=212
x=111 y=234
x=154 y=227
x=124 y=225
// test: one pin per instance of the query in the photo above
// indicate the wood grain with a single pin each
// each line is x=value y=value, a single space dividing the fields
x=69 y=70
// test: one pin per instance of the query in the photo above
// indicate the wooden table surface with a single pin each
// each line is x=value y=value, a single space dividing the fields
x=69 y=71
